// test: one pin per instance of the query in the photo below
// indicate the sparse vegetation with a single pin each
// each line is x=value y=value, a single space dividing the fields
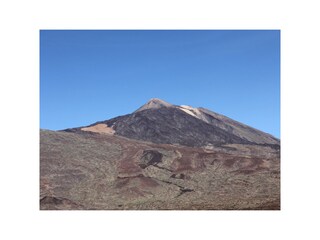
x=100 y=171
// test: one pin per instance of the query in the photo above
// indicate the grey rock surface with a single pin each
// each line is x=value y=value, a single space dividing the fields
x=160 y=122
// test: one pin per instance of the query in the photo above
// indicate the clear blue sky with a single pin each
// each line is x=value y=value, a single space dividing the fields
x=88 y=76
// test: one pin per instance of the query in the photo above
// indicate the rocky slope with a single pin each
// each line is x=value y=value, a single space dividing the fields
x=162 y=156
x=160 y=122
x=102 y=171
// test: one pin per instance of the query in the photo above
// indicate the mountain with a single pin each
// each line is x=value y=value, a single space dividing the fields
x=160 y=122
x=154 y=103
x=161 y=156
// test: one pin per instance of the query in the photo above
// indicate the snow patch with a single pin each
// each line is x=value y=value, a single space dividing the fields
x=195 y=112
x=187 y=107
x=188 y=111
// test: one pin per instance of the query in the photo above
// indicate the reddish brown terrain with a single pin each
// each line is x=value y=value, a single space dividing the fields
x=83 y=169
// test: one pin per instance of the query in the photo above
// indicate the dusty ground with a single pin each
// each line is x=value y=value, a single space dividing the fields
x=99 y=128
x=101 y=171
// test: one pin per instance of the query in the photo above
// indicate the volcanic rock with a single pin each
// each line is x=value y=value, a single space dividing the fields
x=162 y=156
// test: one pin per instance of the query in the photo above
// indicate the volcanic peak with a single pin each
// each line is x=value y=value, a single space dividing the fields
x=154 y=103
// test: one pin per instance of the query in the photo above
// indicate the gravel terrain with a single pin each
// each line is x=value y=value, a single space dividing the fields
x=102 y=171
x=161 y=156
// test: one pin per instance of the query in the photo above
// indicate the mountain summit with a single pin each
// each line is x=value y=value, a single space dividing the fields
x=158 y=121
x=154 y=103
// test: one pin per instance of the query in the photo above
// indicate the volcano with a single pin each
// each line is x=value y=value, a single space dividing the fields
x=160 y=122
x=161 y=156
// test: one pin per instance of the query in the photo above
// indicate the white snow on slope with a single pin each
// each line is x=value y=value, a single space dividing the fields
x=188 y=109
x=193 y=112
